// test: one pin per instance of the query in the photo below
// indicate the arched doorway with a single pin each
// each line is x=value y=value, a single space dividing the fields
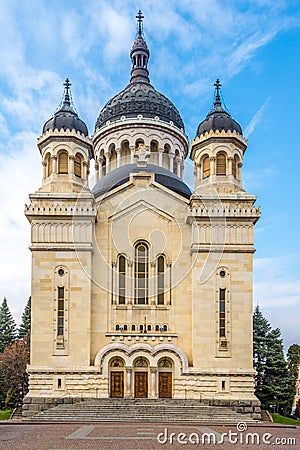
x=165 y=377
x=141 y=375
x=116 y=367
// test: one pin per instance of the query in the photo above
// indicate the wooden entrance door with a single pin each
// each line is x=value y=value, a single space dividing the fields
x=165 y=384
x=141 y=384
x=117 y=384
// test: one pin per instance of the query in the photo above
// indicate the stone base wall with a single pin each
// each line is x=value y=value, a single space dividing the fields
x=34 y=405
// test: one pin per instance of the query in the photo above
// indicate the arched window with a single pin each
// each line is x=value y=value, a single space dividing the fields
x=156 y=327
x=221 y=164
x=122 y=275
x=63 y=162
x=132 y=327
x=48 y=165
x=78 y=166
x=160 y=280
x=165 y=363
x=149 y=328
x=141 y=274
x=206 y=167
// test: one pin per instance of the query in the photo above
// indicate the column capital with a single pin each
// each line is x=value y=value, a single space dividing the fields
x=153 y=369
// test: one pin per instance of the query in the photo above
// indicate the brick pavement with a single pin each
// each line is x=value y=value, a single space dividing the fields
x=119 y=436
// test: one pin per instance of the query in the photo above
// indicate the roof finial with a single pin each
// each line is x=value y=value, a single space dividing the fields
x=140 y=18
x=67 y=85
x=217 y=94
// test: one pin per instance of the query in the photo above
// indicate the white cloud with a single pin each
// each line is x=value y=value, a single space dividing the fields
x=278 y=295
x=256 y=119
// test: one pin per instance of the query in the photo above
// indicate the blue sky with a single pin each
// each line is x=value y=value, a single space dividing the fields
x=252 y=46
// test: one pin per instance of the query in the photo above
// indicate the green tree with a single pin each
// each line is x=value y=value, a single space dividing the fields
x=293 y=358
x=25 y=325
x=13 y=376
x=275 y=386
x=8 y=327
x=261 y=330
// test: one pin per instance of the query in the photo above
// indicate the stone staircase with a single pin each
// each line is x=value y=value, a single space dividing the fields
x=141 y=410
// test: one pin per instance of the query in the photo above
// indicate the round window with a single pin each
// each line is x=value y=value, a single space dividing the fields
x=61 y=272
x=222 y=273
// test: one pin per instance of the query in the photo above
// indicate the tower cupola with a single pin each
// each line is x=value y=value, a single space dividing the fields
x=66 y=117
x=66 y=149
x=218 y=150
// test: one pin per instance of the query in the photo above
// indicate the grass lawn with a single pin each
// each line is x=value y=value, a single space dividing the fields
x=284 y=420
x=4 y=415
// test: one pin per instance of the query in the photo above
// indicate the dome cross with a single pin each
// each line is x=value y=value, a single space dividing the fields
x=140 y=18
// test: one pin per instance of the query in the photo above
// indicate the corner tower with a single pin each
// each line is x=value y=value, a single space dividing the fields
x=66 y=149
x=218 y=150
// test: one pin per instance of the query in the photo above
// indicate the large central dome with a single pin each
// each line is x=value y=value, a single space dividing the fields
x=139 y=97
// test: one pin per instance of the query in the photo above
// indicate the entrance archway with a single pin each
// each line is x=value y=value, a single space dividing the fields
x=116 y=367
x=165 y=377
x=141 y=375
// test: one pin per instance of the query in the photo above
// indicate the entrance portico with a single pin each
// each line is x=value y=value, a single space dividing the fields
x=140 y=371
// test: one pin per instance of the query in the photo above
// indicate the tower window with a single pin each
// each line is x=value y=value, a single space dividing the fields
x=141 y=274
x=235 y=163
x=222 y=325
x=122 y=274
x=206 y=167
x=160 y=280
x=63 y=163
x=221 y=164
x=60 y=311
x=78 y=166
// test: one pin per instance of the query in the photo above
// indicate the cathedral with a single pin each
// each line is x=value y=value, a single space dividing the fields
x=141 y=287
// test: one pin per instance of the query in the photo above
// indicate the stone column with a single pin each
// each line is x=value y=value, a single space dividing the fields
x=128 y=393
x=153 y=371
x=132 y=152
x=213 y=165
x=168 y=282
x=230 y=162
x=54 y=164
x=129 y=283
x=160 y=153
x=114 y=282
x=171 y=161
x=118 y=152
x=107 y=156
x=239 y=171
x=71 y=159
x=153 y=282
x=44 y=164
x=97 y=172
x=178 y=167
x=85 y=170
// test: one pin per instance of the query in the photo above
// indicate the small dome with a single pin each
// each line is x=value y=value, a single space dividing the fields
x=120 y=176
x=66 y=118
x=218 y=118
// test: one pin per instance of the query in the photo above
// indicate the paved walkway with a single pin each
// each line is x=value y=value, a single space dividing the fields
x=118 y=436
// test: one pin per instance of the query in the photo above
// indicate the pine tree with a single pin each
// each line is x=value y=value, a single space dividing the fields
x=293 y=357
x=261 y=330
x=275 y=386
x=24 y=328
x=8 y=327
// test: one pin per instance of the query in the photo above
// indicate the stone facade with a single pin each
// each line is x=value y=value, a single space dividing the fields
x=141 y=291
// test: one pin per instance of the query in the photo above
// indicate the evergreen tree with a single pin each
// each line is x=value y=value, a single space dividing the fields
x=24 y=328
x=261 y=330
x=275 y=386
x=293 y=357
x=8 y=327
